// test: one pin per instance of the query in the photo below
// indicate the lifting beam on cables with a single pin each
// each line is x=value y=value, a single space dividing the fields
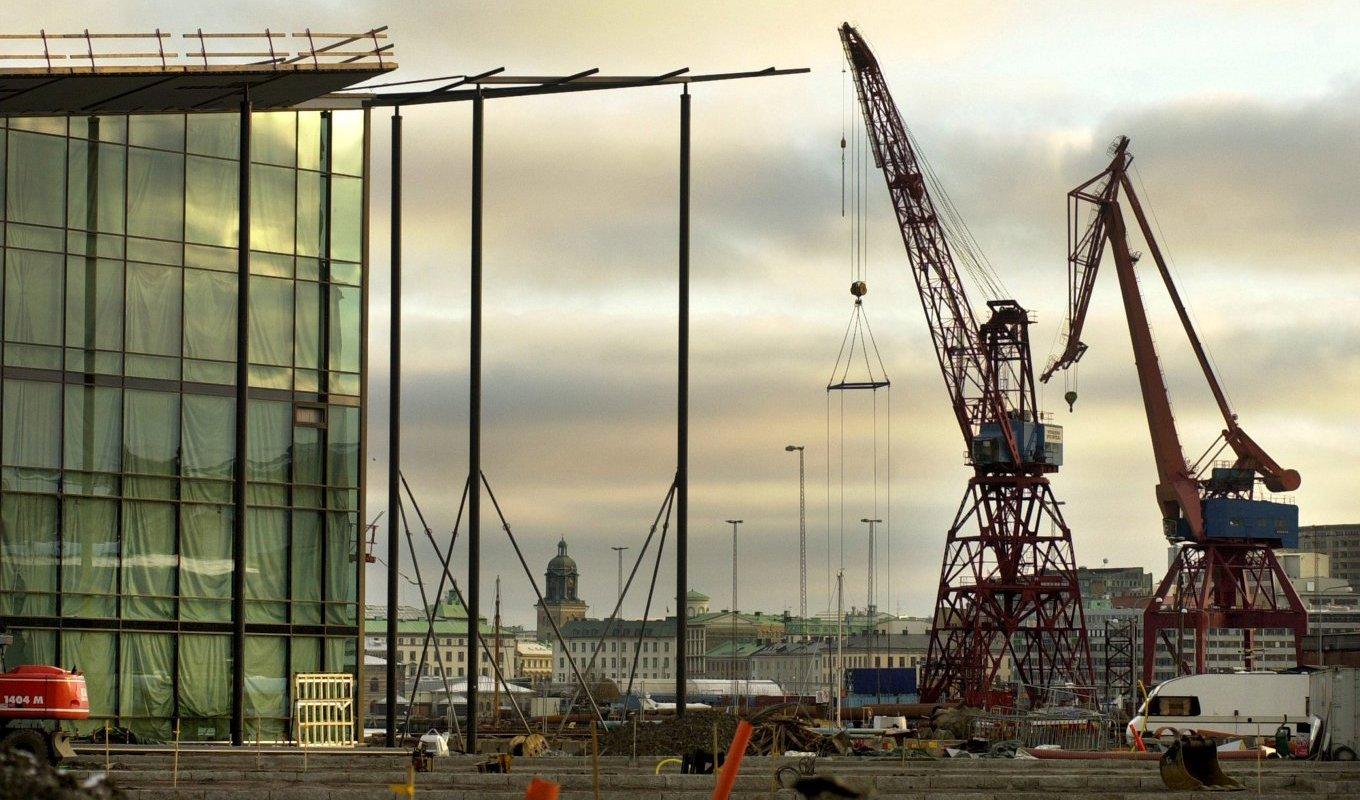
x=859 y=351
x=1008 y=592
x=859 y=367
x=1225 y=574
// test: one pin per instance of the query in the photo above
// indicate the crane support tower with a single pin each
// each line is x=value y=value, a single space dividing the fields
x=1225 y=574
x=1008 y=591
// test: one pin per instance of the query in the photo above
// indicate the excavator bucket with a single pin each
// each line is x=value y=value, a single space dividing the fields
x=61 y=746
x=1192 y=763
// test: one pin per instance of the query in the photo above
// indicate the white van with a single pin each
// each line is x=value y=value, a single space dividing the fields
x=1229 y=705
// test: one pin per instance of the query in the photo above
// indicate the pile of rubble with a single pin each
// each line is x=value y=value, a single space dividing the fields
x=671 y=736
x=782 y=731
x=22 y=777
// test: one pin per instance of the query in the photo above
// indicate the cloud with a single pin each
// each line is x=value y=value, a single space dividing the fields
x=1245 y=140
x=580 y=359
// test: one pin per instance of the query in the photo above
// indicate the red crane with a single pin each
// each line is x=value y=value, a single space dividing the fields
x=1008 y=590
x=1225 y=574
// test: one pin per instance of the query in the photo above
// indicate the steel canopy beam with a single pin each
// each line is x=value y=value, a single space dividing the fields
x=525 y=86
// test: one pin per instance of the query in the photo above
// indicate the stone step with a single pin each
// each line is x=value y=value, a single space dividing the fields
x=349 y=775
x=609 y=793
x=297 y=763
x=669 y=785
x=647 y=781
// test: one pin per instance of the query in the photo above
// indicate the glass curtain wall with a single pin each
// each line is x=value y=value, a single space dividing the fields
x=119 y=276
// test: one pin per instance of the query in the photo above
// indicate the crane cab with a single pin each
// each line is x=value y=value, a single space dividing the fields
x=1040 y=443
x=1245 y=520
x=1232 y=514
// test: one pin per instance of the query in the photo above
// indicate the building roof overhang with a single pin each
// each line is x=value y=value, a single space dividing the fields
x=50 y=73
x=76 y=91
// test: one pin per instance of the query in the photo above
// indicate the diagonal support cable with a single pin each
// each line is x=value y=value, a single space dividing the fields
x=534 y=583
x=651 y=590
x=474 y=625
x=618 y=605
x=430 y=613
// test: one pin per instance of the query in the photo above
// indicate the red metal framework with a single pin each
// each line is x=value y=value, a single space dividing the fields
x=1225 y=575
x=1008 y=592
x=1221 y=586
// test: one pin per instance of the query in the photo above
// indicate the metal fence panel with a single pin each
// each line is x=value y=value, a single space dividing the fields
x=323 y=709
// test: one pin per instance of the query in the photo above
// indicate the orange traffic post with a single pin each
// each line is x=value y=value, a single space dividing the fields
x=732 y=765
x=540 y=789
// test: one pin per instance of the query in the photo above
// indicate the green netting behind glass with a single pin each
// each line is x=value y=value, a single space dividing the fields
x=140 y=208
x=118 y=290
x=94 y=653
x=205 y=687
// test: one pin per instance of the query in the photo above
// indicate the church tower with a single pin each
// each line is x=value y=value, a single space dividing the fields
x=560 y=601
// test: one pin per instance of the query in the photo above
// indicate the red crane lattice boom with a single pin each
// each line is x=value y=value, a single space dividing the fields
x=1008 y=589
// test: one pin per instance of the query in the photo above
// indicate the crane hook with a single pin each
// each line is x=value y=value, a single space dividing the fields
x=1071 y=398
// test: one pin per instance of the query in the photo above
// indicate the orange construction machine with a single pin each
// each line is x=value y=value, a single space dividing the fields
x=34 y=701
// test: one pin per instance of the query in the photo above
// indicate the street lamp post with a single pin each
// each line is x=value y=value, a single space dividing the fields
x=619 y=551
x=802 y=532
x=871 y=605
x=734 y=523
x=839 y=671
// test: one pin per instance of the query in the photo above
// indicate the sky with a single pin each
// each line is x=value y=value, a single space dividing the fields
x=1246 y=139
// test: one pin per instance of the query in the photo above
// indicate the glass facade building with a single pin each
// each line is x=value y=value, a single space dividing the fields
x=119 y=275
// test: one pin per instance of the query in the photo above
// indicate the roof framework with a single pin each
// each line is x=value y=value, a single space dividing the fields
x=85 y=73
x=494 y=83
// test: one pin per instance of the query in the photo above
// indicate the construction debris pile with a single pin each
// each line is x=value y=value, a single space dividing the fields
x=696 y=730
x=936 y=732
x=777 y=730
x=23 y=777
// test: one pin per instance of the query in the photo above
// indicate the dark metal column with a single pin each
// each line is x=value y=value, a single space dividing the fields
x=394 y=438
x=475 y=431
x=682 y=424
x=239 y=465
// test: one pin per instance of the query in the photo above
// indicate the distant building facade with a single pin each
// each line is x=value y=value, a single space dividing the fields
x=607 y=650
x=533 y=661
x=442 y=645
x=1114 y=581
x=798 y=667
x=707 y=633
x=696 y=603
x=809 y=668
x=1312 y=577
x=561 y=603
x=1341 y=545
